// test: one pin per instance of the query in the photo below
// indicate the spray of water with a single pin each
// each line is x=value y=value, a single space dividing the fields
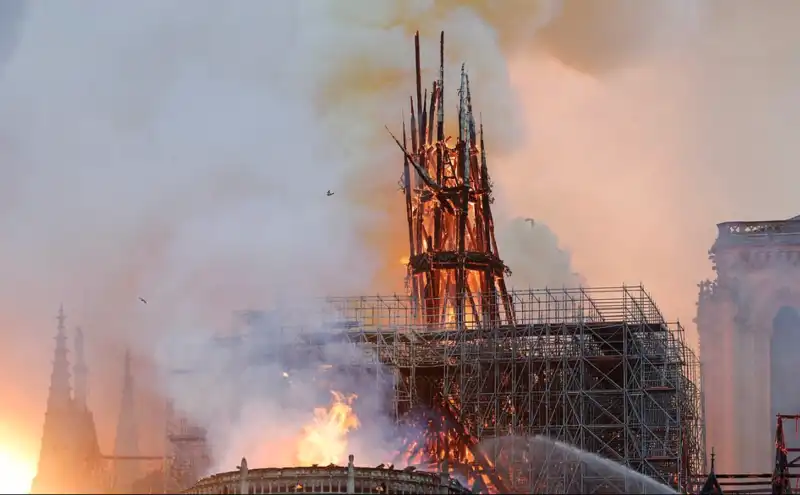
x=541 y=465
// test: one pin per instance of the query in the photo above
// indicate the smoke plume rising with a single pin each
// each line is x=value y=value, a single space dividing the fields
x=181 y=152
x=532 y=251
x=268 y=385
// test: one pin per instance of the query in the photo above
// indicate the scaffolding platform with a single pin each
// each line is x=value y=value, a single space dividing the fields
x=596 y=368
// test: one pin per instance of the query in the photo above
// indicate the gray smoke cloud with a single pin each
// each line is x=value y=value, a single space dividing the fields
x=157 y=154
x=256 y=392
x=537 y=260
x=182 y=152
x=11 y=13
x=633 y=163
x=599 y=38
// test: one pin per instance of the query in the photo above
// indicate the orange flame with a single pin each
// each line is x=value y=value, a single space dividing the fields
x=324 y=440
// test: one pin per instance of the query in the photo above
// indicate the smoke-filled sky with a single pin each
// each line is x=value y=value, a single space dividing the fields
x=180 y=151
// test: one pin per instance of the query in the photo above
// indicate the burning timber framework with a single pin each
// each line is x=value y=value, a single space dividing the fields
x=454 y=266
x=597 y=368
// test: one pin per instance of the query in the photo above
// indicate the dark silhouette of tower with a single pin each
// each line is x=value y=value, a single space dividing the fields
x=126 y=444
x=457 y=276
x=69 y=458
x=53 y=474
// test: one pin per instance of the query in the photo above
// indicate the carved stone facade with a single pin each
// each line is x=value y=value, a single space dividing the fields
x=749 y=332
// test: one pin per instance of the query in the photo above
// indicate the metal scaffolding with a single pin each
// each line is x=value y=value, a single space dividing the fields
x=187 y=457
x=597 y=368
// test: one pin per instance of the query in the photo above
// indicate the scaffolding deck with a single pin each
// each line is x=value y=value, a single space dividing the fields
x=597 y=368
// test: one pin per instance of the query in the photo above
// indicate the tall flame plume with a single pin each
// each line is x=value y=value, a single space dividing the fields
x=324 y=440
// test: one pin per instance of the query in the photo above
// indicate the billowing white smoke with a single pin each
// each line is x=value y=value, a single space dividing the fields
x=536 y=259
x=171 y=152
x=181 y=152
x=257 y=395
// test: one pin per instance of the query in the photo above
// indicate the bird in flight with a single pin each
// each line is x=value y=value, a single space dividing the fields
x=329 y=193
x=143 y=300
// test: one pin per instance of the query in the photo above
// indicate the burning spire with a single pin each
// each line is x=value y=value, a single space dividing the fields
x=456 y=273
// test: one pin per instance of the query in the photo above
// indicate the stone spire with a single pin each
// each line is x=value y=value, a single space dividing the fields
x=60 y=394
x=711 y=486
x=126 y=445
x=81 y=372
x=54 y=471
